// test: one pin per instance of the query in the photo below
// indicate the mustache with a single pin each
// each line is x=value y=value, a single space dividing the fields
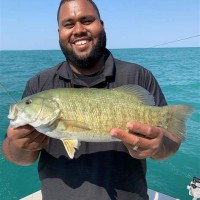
x=91 y=58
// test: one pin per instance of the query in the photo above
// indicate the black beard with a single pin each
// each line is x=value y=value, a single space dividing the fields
x=90 y=60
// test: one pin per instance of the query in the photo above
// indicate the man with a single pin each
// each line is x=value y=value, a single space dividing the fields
x=99 y=171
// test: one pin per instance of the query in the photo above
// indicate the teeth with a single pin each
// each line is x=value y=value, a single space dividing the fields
x=81 y=42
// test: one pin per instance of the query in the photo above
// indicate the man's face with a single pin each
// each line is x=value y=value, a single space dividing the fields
x=81 y=33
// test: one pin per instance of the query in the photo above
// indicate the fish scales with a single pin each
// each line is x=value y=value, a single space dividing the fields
x=102 y=117
x=73 y=115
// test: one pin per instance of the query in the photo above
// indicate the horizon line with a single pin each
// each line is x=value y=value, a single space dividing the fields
x=107 y=48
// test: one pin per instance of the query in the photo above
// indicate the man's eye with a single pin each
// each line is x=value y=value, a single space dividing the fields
x=69 y=25
x=87 y=22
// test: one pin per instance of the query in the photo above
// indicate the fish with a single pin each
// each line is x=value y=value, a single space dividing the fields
x=88 y=114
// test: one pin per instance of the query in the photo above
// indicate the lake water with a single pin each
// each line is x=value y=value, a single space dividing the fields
x=178 y=73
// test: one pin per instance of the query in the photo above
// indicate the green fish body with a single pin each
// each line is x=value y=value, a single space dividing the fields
x=88 y=114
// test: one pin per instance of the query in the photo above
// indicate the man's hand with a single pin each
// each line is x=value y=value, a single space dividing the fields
x=22 y=145
x=27 y=138
x=143 y=141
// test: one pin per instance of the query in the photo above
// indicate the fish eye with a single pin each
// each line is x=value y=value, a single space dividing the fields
x=28 y=101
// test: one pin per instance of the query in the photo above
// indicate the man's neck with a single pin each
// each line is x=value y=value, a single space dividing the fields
x=88 y=71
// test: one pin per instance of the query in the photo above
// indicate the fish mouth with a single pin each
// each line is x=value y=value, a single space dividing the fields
x=12 y=113
x=13 y=116
x=13 y=119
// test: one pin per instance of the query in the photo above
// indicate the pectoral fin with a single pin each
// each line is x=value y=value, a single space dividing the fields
x=71 y=146
x=73 y=126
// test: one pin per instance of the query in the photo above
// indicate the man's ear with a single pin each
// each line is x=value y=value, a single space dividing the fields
x=102 y=23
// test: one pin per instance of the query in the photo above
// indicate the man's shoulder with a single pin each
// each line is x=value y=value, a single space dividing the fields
x=46 y=79
x=47 y=73
x=130 y=67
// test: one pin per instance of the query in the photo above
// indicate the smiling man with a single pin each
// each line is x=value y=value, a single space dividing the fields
x=99 y=171
x=82 y=36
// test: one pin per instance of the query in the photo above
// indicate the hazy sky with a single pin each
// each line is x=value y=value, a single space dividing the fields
x=26 y=25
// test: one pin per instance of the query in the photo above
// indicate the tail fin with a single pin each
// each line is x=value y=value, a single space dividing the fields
x=180 y=114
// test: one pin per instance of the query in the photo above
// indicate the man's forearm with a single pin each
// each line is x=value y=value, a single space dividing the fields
x=18 y=156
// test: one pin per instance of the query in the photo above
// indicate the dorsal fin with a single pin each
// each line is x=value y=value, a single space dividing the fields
x=137 y=93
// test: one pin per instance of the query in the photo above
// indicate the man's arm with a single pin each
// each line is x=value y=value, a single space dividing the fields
x=143 y=141
x=22 y=145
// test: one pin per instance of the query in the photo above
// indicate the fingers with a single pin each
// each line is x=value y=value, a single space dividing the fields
x=27 y=138
x=19 y=132
x=34 y=141
x=144 y=129
x=133 y=140
x=139 y=153
x=125 y=136
x=142 y=140
x=149 y=131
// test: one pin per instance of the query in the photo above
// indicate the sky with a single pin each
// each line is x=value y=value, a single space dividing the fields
x=32 y=25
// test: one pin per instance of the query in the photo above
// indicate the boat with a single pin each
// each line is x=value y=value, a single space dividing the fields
x=153 y=195
x=194 y=188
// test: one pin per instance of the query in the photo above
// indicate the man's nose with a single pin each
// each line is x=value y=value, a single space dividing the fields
x=79 y=29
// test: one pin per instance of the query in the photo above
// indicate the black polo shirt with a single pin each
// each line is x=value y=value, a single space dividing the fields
x=99 y=171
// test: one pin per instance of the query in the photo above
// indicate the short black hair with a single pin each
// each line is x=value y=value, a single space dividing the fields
x=92 y=2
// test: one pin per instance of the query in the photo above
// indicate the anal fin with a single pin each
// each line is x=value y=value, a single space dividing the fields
x=71 y=146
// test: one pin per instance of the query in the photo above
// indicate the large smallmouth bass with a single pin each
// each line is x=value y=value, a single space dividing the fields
x=88 y=114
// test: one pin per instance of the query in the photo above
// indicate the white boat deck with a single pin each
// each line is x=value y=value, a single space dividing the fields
x=153 y=195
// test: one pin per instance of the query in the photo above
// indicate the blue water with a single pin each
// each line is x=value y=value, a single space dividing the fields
x=178 y=72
